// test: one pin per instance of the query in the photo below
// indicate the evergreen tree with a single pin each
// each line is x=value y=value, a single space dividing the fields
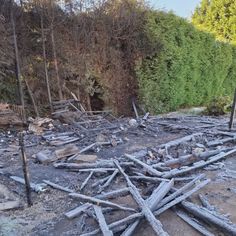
x=217 y=17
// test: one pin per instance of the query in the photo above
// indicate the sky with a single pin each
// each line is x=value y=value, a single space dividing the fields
x=182 y=8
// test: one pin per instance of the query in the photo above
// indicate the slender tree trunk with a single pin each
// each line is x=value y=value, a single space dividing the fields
x=56 y=64
x=32 y=98
x=17 y=63
x=45 y=64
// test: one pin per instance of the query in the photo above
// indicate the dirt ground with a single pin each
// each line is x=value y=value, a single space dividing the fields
x=46 y=216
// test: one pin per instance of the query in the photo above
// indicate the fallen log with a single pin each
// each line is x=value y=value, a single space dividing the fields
x=122 y=224
x=206 y=203
x=197 y=165
x=148 y=168
x=178 y=192
x=107 y=183
x=148 y=179
x=101 y=181
x=182 y=197
x=83 y=208
x=152 y=203
x=100 y=164
x=156 y=224
x=186 y=160
x=57 y=186
x=97 y=170
x=220 y=142
x=99 y=201
x=204 y=215
x=102 y=222
x=193 y=223
x=114 y=194
x=78 y=210
x=177 y=142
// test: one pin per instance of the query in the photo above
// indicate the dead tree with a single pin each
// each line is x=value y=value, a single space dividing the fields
x=45 y=59
x=17 y=61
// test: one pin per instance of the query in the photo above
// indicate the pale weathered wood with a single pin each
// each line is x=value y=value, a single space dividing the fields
x=122 y=224
x=78 y=210
x=197 y=165
x=156 y=224
x=182 y=197
x=102 y=222
x=109 y=180
x=114 y=194
x=94 y=200
x=148 y=168
x=86 y=181
x=148 y=179
x=57 y=186
x=97 y=170
x=193 y=223
x=101 y=181
x=152 y=203
x=180 y=191
x=206 y=203
x=83 y=208
x=180 y=140
x=204 y=215
x=99 y=164
x=221 y=141
x=9 y=205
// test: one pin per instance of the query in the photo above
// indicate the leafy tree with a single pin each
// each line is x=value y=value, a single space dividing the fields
x=217 y=17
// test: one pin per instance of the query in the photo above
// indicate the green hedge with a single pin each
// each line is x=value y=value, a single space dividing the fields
x=189 y=69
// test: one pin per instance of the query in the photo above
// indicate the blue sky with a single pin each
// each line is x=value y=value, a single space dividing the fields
x=182 y=8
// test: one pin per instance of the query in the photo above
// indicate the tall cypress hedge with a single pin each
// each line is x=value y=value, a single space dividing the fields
x=189 y=68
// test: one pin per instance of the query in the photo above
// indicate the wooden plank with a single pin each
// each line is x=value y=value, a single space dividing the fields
x=102 y=222
x=156 y=224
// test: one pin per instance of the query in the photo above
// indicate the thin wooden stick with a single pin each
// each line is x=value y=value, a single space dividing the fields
x=109 y=180
x=25 y=170
x=57 y=186
x=98 y=201
x=102 y=222
x=86 y=180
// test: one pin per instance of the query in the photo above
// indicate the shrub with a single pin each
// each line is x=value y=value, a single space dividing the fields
x=218 y=106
